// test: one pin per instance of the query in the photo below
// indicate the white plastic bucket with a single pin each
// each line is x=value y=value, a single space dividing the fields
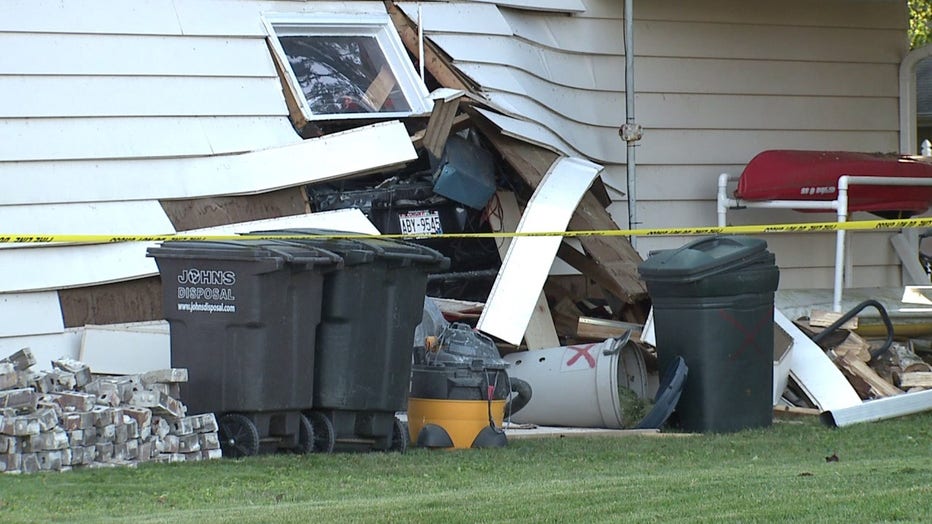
x=577 y=386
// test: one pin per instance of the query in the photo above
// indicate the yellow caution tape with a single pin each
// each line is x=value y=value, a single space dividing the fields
x=810 y=227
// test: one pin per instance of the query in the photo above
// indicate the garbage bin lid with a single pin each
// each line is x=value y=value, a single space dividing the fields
x=362 y=250
x=704 y=257
x=252 y=250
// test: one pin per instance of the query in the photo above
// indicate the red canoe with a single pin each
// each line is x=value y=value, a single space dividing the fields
x=813 y=175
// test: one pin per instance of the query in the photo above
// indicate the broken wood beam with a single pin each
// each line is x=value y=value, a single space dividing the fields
x=440 y=123
x=434 y=62
x=601 y=329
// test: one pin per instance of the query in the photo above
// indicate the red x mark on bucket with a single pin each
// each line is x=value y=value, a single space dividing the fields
x=749 y=334
x=581 y=351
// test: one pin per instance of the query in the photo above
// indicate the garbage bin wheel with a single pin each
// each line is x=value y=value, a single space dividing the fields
x=305 y=436
x=238 y=436
x=400 y=436
x=325 y=438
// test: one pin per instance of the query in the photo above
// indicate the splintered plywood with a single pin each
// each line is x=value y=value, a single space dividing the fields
x=527 y=262
x=125 y=351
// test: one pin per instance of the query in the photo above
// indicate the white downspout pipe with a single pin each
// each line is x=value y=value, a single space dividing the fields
x=842 y=201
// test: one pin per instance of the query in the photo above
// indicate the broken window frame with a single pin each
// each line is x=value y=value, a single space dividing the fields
x=376 y=25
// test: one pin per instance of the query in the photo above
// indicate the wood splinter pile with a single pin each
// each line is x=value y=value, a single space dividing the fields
x=69 y=418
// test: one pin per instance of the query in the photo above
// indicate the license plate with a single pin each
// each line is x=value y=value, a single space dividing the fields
x=420 y=223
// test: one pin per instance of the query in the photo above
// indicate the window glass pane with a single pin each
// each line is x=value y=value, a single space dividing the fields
x=344 y=74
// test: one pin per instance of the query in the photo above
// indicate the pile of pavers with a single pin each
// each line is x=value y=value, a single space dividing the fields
x=69 y=417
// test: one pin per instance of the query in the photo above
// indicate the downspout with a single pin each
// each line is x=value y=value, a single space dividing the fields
x=630 y=132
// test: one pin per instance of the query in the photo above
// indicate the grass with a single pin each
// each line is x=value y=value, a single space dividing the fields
x=883 y=473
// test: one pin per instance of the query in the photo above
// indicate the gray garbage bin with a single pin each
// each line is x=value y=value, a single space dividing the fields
x=370 y=309
x=243 y=318
x=713 y=305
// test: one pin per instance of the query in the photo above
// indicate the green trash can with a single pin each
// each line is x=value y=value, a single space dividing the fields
x=370 y=309
x=713 y=305
x=243 y=318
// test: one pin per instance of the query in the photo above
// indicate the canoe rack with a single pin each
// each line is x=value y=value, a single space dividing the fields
x=840 y=205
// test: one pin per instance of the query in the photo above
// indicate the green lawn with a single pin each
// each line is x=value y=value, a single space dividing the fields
x=883 y=473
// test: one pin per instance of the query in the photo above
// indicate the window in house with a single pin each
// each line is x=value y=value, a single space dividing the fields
x=346 y=66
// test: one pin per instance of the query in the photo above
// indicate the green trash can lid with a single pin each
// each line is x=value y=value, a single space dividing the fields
x=705 y=257
x=363 y=250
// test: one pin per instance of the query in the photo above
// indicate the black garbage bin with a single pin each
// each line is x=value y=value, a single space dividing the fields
x=713 y=305
x=243 y=318
x=369 y=311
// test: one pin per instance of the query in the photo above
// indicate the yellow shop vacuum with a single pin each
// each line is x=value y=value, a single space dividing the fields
x=461 y=393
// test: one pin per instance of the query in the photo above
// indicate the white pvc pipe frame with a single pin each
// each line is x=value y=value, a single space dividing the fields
x=840 y=205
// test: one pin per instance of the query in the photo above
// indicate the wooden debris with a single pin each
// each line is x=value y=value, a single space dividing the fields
x=92 y=426
x=601 y=329
x=878 y=387
x=795 y=411
x=820 y=318
x=906 y=360
x=615 y=259
x=913 y=379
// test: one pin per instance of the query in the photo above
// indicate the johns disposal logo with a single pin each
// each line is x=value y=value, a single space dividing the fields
x=206 y=290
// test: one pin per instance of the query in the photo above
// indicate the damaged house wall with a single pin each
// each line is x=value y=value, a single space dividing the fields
x=717 y=82
x=140 y=118
x=112 y=110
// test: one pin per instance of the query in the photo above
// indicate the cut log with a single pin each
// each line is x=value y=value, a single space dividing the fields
x=913 y=379
x=879 y=387
x=904 y=358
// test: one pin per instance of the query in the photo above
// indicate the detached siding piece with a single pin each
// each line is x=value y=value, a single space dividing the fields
x=61 y=267
x=125 y=351
x=330 y=156
x=528 y=260
x=102 y=218
x=26 y=313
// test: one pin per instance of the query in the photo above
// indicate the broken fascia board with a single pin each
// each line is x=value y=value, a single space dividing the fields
x=879 y=409
x=30 y=313
x=328 y=157
x=529 y=258
x=60 y=267
x=814 y=372
x=124 y=351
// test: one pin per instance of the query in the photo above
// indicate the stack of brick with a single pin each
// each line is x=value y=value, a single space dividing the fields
x=69 y=417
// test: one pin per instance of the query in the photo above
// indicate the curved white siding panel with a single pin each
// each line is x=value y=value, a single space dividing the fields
x=335 y=155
